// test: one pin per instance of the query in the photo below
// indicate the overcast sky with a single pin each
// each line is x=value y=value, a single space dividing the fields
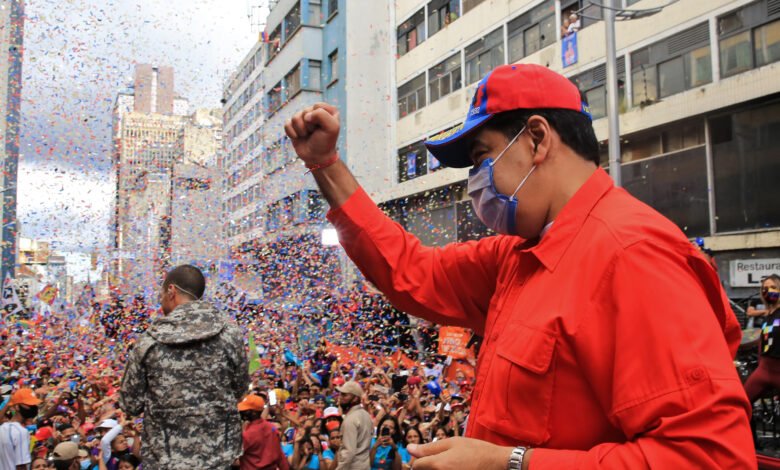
x=77 y=55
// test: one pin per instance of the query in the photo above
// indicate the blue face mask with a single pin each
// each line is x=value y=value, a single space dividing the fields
x=494 y=209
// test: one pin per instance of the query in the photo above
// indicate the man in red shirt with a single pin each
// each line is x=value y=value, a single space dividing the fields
x=608 y=340
x=262 y=449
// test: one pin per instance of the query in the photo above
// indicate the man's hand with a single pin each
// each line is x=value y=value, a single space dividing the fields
x=314 y=132
x=462 y=453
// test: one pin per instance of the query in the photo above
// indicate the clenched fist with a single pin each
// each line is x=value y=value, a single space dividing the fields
x=314 y=132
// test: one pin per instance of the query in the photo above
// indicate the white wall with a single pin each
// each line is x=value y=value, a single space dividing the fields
x=370 y=92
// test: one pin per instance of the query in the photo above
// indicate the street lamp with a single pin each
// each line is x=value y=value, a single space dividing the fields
x=612 y=13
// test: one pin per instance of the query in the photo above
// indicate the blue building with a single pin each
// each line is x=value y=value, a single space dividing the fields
x=311 y=51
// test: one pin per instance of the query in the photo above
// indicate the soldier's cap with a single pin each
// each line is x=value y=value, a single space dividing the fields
x=66 y=451
x=506 y=88
x=24 y=396
x=251 y=402
x=352 y=388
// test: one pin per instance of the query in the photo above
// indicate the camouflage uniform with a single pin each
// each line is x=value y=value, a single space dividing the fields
x=186 y=374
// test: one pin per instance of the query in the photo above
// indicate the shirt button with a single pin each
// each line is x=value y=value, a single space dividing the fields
x=494 y=337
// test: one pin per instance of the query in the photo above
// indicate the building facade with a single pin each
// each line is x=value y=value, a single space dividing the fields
x=11 y=42
x=699 y=106
x=312 y=51
x=165 y=162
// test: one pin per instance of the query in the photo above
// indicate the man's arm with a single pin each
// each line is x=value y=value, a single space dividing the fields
x=348 y=445
x=240 y=361
x=453 y=285
x=105 y=442
x=133 y=388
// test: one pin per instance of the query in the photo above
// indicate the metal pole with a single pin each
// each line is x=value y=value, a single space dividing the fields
x=612 y=98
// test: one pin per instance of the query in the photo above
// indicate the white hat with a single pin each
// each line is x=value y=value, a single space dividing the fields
x=109 y=424
x=330 y=412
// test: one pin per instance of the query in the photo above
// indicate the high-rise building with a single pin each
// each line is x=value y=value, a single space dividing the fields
x=11 y=39
x=155 y=144
x=699 y=110
x=337 y=51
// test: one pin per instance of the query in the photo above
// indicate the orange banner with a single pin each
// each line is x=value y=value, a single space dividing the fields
x=453 y=341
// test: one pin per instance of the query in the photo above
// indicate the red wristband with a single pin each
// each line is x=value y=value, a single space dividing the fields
x=327 y=163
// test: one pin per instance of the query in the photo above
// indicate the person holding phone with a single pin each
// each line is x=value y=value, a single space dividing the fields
x=385 y=452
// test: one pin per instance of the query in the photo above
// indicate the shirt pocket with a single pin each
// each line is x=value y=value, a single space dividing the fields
x=521 y=380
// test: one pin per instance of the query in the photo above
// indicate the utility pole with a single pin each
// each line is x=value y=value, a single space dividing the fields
x=613 y=117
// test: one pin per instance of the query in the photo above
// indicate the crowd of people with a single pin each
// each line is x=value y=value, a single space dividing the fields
x=73 y=363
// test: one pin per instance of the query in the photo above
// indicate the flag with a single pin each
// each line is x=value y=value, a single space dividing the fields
x=10 y=304
x=254 y=357
x=48 y=294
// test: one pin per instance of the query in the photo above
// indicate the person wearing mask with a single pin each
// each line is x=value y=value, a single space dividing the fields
x=385 y=453
x=66 y=456
x=767 y=374
x=770 y=296
x=356 y=429
x=582 y=287
x=262 y=449
x=185 y=374
x=14 y=435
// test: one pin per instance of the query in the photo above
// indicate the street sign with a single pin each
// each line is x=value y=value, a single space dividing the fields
x=749 y=272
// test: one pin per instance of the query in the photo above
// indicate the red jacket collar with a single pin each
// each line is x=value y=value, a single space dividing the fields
x=570 y=220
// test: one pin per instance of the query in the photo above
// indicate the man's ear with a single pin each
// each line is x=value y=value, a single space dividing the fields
x=540 y=132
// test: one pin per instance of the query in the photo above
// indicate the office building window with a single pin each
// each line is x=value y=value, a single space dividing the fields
x=484 y=55
x=593 y=84
x=578 y=14
x=745 y=165
x=676 y=64
x=673 y=181
x=444 y=77
x=315 y=71
x=441 y=13
x=274 y=43
x=411 y=95
x=531 y=31
x=293 y=81
x=749 y=37
x=412 y=161
x=275 y=98
x=411 y=33
x=469 y=5
x=292 y=21
x=315 y=13
x=333 y=66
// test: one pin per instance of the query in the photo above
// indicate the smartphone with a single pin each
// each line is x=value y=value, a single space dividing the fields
x=272 y=397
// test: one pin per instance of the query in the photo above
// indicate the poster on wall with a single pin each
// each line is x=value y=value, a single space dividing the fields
x=569 y=54
x=411 y=164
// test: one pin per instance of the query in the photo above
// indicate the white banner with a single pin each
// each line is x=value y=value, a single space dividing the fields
x=10 y=303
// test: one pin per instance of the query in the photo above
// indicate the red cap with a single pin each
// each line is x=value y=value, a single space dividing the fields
x=506 y=88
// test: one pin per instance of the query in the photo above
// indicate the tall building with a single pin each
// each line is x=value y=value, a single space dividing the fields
x=338 y=51
x=699 y=111
x=11 y=40
x=156 y=142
